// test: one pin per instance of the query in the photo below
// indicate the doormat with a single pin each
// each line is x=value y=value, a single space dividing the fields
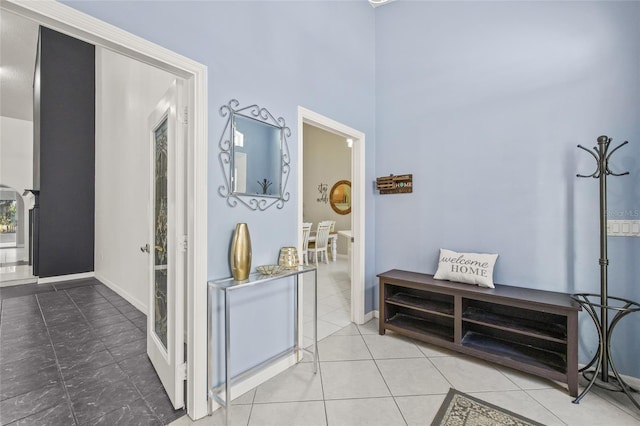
x=460 y=409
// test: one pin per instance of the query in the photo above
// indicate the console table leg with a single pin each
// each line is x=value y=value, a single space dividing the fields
x=315 y=321
x=210 y=348
x=227 y=360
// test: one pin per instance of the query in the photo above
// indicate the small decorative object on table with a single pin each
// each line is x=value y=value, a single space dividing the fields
x=269 y=269
x=240 y=253
x=289 y=258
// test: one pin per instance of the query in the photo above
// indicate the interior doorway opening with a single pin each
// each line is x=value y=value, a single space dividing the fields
x=356 y=239
x=326 y=200
x=15 y=262
x=69 y=21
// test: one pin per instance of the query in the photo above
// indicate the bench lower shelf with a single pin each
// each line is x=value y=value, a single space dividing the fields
x=417 y=325
x=524 y=354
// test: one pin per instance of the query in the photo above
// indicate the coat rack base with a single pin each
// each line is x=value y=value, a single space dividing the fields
x=620 y=307
x=612 y=384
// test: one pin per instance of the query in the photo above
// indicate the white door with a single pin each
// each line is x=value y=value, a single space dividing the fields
x=167 y=248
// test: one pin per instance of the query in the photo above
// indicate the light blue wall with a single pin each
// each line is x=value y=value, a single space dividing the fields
x=278 y=55
x=485 y=102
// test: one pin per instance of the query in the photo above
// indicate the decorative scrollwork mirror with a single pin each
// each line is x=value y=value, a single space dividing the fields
x=254 y=157
x=340 y=197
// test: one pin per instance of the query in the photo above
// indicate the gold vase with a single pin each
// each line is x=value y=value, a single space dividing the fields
x=240 y=254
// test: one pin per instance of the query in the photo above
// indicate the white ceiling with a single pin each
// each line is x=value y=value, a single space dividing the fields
x=18 y=45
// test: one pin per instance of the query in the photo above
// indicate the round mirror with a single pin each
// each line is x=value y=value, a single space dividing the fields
x=340 y=197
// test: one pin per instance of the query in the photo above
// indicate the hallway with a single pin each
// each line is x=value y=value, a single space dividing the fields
x=74 y=353
x=13 y=269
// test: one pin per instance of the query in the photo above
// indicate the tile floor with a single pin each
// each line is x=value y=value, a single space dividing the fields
x=14 y=269
x=74 y=353
x=368 y=379
x=14 y=274
x=334 y=300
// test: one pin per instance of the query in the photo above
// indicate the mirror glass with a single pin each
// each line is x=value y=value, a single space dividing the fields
x=256 y=157
x=340 y=197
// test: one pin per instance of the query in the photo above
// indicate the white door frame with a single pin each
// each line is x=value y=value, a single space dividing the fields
x=306 y=116
x=72 y=22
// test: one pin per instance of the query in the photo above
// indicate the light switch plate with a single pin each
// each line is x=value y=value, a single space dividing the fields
x=623 y=228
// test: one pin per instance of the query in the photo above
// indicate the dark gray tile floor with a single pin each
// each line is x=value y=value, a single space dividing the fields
x=74 y=353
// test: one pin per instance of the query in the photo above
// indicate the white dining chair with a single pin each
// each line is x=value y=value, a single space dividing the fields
x=306 y=231
x=331 y=245
x=321 y=242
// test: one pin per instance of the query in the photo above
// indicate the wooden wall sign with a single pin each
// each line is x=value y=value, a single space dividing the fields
x=391 y=184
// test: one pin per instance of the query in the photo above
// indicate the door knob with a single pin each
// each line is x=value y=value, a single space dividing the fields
x=145 y=248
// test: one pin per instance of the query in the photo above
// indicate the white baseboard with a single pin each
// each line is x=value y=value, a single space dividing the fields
x=123 y=293
x=370 y=315
x=69 y=277
x=258 y=378
x=11 y=283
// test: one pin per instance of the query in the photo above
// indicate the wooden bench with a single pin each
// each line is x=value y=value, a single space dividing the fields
x=534 y=331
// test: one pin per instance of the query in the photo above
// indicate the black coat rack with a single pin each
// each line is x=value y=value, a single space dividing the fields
x=622 y=307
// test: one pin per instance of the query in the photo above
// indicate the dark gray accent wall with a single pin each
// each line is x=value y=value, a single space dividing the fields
x=65 y=165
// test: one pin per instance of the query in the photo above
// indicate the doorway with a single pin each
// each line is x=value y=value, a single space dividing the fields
x=326 y=172
x=76 y=24
x=15 y=265
x=357 y=141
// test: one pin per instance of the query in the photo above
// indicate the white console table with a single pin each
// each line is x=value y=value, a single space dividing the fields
x=227 y=285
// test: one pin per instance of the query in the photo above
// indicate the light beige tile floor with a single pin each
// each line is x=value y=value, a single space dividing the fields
x=334 y=300
x=11 y=274
x=354 y=387
x=368 y=379
x=14 y=275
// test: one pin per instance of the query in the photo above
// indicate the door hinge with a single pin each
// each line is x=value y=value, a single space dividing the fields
x=184 y=243
x=182 y=371
x=185 y=116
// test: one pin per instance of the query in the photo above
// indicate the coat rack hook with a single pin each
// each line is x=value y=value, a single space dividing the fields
x=602 y=155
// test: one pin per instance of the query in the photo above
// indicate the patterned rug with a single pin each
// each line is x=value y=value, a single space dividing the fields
x=459 y=409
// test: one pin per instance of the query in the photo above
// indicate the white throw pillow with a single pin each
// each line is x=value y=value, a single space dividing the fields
x=470 y=268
